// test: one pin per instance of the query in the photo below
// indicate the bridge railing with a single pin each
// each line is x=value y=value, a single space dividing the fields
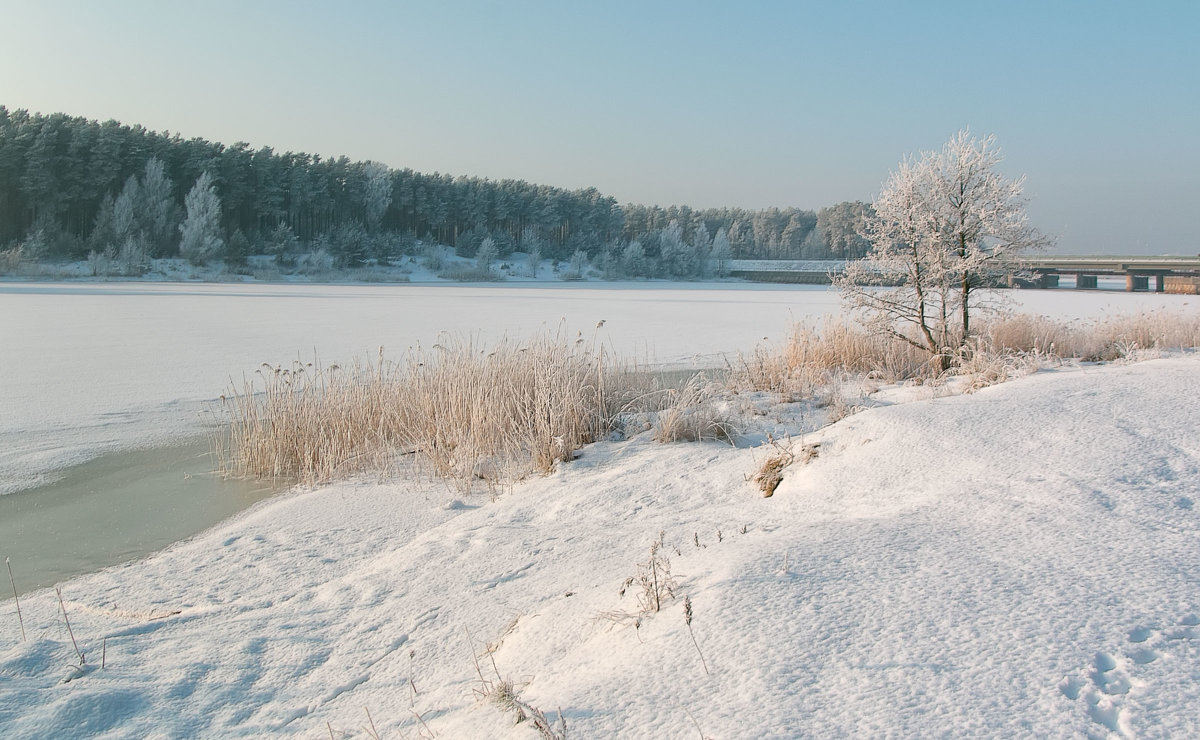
x=1170 y=274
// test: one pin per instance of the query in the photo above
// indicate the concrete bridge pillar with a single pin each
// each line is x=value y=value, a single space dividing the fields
x=1136 y=282
x=1047 y=280
x=1085 y=282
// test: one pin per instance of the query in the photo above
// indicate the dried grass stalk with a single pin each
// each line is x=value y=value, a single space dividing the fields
x=469 y=413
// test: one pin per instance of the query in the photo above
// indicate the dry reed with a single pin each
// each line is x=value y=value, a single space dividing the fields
x=812 y=359
x=470 y=413
x=1106 y=339
x=13 y=581
x=695 y=413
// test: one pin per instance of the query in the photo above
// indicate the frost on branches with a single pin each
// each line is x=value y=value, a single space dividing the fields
x=201 y=231
x=938 y=224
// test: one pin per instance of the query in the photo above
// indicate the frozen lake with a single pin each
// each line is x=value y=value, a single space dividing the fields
x=91 y=369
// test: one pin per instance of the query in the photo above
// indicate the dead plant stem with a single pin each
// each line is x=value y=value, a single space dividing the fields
x=13 y=581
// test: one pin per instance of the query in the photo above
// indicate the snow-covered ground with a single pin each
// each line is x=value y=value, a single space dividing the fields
x=1019 y=562
x=1015 y=562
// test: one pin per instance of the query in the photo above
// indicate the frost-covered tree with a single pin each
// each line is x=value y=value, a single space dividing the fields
x=633 y=259
x=608 y=261
x=124 y=213
x=721 y=253
x=939 y=223
x=486 y=255
x=840 y=230
x=740 y=240
x=701 y=241
x=533 y=259
x=201 y=230
x=579 y=263
x=141 y=219
x=103 y=232
x=701 y=248
x=677 y=256
x=282 y=243
x=377 y=193
x=156 y=208
x=36 y=244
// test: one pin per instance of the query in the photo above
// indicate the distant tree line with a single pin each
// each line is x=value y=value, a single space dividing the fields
x=72 y=188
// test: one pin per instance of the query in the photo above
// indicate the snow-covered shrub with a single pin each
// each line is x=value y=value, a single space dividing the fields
x=577 y=266
x=133 y=259
x=432 y=257
x=98 y=263
x=10 y=260
x=37 y=245
x=315 y=262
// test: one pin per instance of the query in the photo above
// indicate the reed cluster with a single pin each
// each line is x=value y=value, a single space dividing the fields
x=812 y=358
x=1102 y=340
x=470 y=413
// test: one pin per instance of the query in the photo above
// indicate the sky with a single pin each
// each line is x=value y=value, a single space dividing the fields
x=749 y=104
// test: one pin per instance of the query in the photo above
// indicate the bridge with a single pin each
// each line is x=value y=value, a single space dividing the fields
x=812 y=272
x=1170 y=274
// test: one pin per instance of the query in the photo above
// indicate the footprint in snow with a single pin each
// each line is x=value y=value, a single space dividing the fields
x=1103 y=690
x=1071 y=686
x=1107 y=680
x=1184 y=632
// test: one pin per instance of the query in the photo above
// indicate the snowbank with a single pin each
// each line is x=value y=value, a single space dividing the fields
x=1016 y=562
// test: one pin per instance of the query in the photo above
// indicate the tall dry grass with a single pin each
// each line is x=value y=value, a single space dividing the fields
x=695 y=412
x=815 y=358
x=1102 y=340
x=812 y=358
x=470 y=413
x=497 y=414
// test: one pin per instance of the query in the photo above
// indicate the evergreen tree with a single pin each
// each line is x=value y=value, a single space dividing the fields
x=377 y=193
x=103 y=230
x=678 y=258
x=201 y=230
x=633 y=259
x=156 y=208
x=124 y=218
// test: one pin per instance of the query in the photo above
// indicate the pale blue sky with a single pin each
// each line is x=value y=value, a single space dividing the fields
x=750 y=104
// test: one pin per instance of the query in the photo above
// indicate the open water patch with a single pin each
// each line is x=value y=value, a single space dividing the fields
x=118 y=507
